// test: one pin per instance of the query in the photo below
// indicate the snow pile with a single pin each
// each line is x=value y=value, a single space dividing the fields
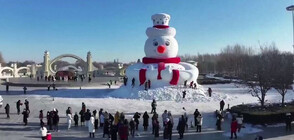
x=168 y=93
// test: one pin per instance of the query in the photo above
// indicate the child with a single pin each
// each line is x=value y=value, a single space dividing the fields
x=48 y=137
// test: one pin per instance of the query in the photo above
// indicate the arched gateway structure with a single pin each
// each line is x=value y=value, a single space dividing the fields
x=47 y=66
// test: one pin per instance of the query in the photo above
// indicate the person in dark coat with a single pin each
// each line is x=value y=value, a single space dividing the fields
x=76 y=119
x=111 y=118
x=288 y=121
x=146 y=86
x=83 y=107
x=55 y=120
x=133 y=82
x=137 y=117
x=156 y=127
x=222 y=104
x=154 y=117
x=95 y=114
x=25 y=116
x=82 y=113
x=7 y=110
x=27 y=104
x=184 y=94
x=181 y=126
x=49 y=120
x=167 y=134
x=41 y=116
x=25 y=90
x=113 y=132
x=209 y=91
x=219 y=118
x=87 y=116
x=145 y=121
x=132 y=127
x=18 y=104
x=106 y=126
x=149 y=84
x=153 y=106
x=196 y=114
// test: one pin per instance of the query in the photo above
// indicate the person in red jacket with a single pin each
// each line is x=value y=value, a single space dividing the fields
x=234 y=127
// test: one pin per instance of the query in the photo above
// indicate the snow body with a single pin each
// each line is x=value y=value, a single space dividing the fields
x=161 y=64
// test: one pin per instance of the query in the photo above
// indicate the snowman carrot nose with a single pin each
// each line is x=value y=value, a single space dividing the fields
x=161 y=49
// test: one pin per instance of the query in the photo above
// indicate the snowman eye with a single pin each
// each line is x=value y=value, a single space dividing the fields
x=167 y=43
x=155 y=43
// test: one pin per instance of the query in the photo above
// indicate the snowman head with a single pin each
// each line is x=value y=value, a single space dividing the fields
x=161 y=42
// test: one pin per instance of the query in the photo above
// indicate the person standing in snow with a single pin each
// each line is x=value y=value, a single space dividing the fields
x=41 y=116
x=101 y=120
x=55 y=120
x=25 y=116
x=156 y=128
x=27 y=104
x=106 y=127
x=209 y=91
x=222 y=105
x=234 y=125
x=219 y=118
x=199 y=123
x=69 y=120
x=18 y=104
x=49 y=119
x=96 y=117
x=133 y=82
x=167 y=133
x=181 y=126
x=132 y=127
x=116 y=118
x=91 y=127
x=76 y=119
x=149 y=84
x=240 y=121
x=113 y=132
x=7 y=110
x=43 y=132
x=184 y=94
x=288 y=121
x=164 y=116
x=171 y=119
x=196 y=114
x=82 y=113
x=123 y=130
x=154 y=118
x=137 y=117
x=146 y=86
x=87 y=116
x=145 y=121
x=153 y=106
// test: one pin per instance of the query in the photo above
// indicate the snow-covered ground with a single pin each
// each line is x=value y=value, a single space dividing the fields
x=130 y=100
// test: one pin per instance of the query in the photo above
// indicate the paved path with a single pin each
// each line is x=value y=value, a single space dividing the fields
x=13 y=129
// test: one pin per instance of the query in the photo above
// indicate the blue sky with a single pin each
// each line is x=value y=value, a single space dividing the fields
x=113 y=29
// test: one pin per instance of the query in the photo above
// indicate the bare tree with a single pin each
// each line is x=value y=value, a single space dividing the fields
x=283 y=76
x=260 y=72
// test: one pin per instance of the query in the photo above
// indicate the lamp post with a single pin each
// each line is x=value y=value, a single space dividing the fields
x=291 y=8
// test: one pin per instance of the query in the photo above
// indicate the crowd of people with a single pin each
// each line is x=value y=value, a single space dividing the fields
x=117 y=126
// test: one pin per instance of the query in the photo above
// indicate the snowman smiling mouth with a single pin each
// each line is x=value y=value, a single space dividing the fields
x=161 y=49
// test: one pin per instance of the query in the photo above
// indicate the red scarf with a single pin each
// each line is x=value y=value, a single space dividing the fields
x=161 y=66
x=147 y=60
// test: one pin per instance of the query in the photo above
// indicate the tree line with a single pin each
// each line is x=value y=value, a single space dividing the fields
x=260 y=70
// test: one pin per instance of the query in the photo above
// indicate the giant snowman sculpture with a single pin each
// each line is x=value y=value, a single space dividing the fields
x=161 y=65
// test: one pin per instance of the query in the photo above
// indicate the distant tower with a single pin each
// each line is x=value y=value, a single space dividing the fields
x=89 y=64
x=46 y=63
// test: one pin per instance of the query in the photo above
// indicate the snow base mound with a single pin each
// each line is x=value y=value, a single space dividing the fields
x=167 y=93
